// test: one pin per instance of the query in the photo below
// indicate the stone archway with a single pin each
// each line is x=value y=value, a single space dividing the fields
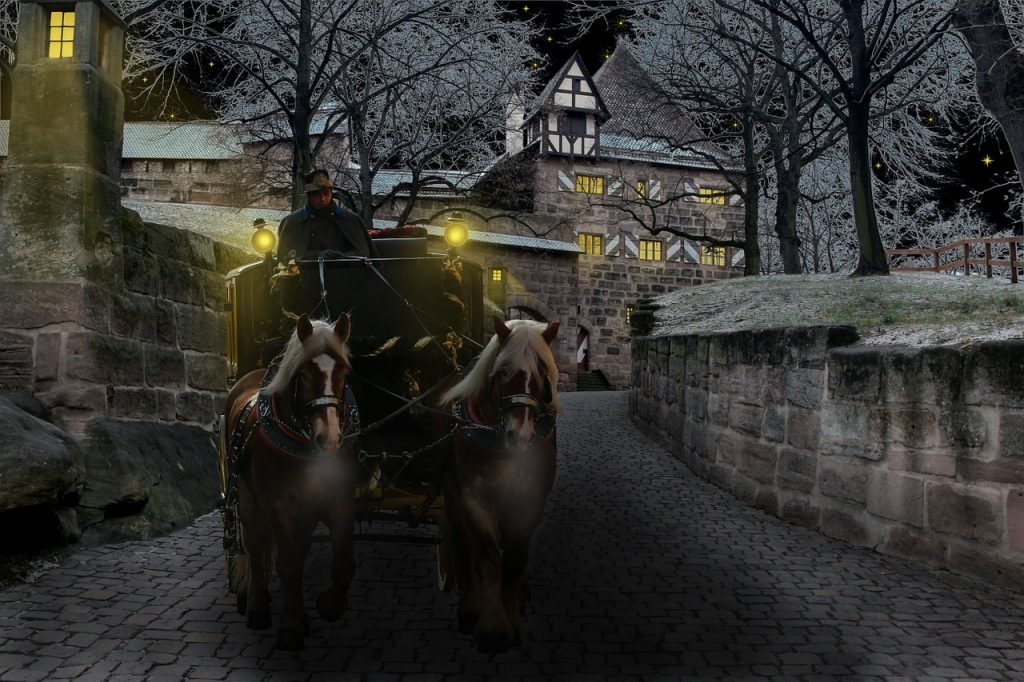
x=582 y=349
x=522 y=312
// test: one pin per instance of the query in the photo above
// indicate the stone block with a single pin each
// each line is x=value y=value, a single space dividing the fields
x=973 y=513
x=799 y=510
x=48 y=356
x=758 y=461
x=994 y=374
x=804 y=429
x=989 y=566
x=40 y=463
x=166 y=404
x=89 y=399
x=1011 y=434
x=746 y=418
x=227 y=258
x=178 y=282
x=963 y=427
x=167 y=242
x=809 y=346
x=103 y=359
x=852 y=527
x=214 y=295
x=203 y=330
x=206 y=372
x=743 y=489
x=722 y=475
x=938 y=462
x=797 y=471
x=16 y=363
x=846 y=480
x=729 y=450
x=32 y=305
x=165 y=367
x=998 y=471
x=200 y=250
x=929 y=375
x=855 y=374
x=896 y=496
x=141 y=272
x=846 y=429
x=914 y=545
x=805 y=387
x=194 y=406
x=166 y=323
x=915 y=427
x=718 y=409
x=132 y=316
x=695 y=404
x=773 y=428
x=767 y=500
x=133 y=403
x=1015 y=519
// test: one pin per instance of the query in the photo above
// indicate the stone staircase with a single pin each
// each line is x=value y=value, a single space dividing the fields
x=593 y=381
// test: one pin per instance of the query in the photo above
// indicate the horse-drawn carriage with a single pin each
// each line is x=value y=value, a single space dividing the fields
x=347 y=421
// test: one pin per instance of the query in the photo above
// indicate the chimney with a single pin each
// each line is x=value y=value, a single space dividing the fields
x=515 y=112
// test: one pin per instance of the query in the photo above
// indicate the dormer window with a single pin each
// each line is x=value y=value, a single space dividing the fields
x=61 y=44
x=572 y=123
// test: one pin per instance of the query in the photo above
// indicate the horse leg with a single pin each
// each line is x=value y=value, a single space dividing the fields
x=259 y=548
x=465 y=577
x=294 y=536
x=515 y=591
x=333 y=602
x=492 y=630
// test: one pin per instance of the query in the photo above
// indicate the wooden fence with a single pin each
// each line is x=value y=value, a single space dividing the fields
x=965 y=257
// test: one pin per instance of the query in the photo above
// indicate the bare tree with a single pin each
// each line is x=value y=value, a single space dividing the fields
x=292 y=63
x=994 y=32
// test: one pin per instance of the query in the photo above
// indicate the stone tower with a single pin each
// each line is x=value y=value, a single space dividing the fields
x=60 y=212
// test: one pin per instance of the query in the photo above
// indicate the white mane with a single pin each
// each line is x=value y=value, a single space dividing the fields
x=523 y=345
x=322 y=340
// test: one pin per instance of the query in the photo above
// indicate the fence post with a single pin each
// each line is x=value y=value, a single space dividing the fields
x=988 y=260
x=967 y=260
x=1013 y=261
x=936 y=254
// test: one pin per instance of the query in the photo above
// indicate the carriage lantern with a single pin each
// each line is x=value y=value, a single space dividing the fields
x=263 y=239
x=455 y=231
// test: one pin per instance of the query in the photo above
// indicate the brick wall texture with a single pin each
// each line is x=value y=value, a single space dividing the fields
x=915 y=452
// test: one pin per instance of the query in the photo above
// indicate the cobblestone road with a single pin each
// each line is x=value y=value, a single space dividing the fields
x=640 y=572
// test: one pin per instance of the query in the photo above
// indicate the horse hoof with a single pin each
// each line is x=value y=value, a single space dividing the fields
x=331 y=609
x=290 y=641
x=258 y=620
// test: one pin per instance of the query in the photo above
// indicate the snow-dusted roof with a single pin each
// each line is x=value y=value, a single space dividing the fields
x=191 y=140
x=386 y=180
x=511 y=240
x=626 y=148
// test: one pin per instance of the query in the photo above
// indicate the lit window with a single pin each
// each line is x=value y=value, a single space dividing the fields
x=497 y=274
x=591 y=184
x=629 y=314
x=62 y=34
x=591 y=244
x=641 y=189
x=711 y=195
x=650 y=249
x=712 y=255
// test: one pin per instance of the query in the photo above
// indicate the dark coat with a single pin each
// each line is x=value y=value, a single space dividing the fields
x=304 y=235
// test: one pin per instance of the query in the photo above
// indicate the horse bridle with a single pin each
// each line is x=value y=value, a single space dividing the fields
x=508 y=402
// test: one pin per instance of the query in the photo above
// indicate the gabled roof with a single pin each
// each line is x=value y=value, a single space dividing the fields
x=192 y=140
x=546 y=100
x=645 y=119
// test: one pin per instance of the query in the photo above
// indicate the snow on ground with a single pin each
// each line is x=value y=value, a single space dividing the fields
x=903 y=308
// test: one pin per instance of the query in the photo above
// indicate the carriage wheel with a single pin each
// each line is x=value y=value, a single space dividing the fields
x=446 y=580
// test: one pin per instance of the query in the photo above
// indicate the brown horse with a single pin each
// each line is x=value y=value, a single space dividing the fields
x=295 y=468
x=499 y=475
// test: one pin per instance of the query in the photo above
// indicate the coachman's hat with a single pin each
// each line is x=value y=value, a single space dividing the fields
x=316 y=181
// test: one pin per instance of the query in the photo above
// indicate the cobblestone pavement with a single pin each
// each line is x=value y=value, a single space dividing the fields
x=639 y=572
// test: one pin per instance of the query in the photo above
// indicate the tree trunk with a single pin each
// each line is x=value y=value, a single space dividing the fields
x=752 y=190
x=999 y=70
x=787 y=185
x=302 y=156
x=873 y=260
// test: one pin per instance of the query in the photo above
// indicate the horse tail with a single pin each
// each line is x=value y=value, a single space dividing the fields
x=239 y=573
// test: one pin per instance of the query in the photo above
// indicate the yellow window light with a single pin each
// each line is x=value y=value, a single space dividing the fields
x=62 y=35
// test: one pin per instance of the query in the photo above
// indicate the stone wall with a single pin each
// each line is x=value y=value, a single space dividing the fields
x=915 y=452
x=132 y=375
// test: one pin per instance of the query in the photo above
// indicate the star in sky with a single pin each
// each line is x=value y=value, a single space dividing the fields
x=988 y=160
